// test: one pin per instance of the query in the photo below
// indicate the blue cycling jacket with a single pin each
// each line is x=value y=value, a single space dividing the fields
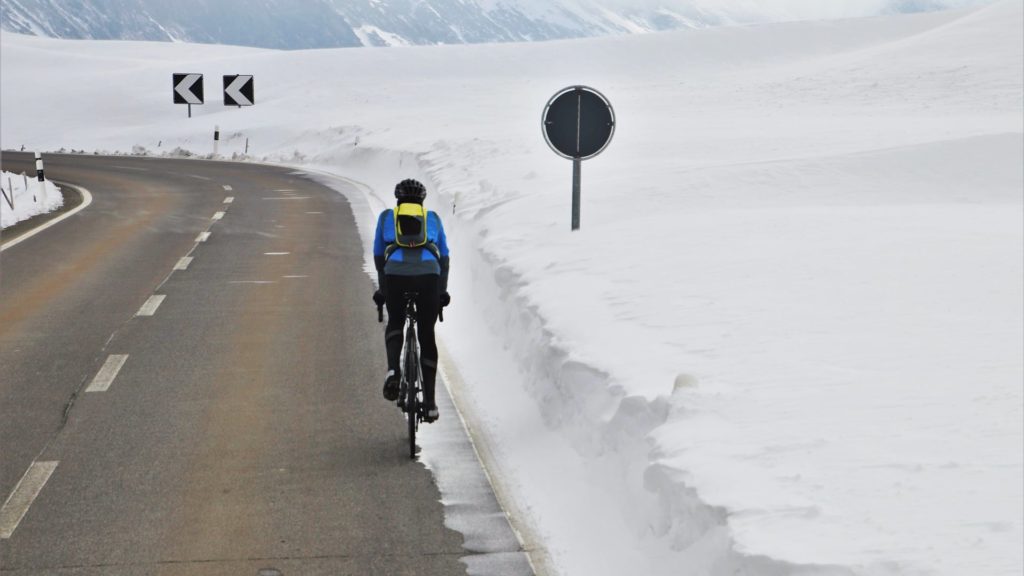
x=410 y=261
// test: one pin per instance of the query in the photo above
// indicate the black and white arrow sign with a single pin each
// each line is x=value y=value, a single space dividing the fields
x=238 y=91
x=188 y=88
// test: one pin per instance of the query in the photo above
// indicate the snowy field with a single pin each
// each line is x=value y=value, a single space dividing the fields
x=788 y=338
x=23 y=198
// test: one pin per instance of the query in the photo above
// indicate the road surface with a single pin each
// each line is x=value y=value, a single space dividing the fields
x=191 y=372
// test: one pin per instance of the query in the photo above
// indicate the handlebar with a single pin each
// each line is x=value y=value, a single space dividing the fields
x=380 y=314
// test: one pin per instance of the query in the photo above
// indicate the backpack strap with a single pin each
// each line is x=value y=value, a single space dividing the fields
x=429 y=246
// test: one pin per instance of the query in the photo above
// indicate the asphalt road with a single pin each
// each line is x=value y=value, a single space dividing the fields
x=244 y=432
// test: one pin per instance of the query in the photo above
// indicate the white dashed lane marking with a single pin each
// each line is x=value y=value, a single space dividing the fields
x=149 y=308
x=226 y=187
x=229 y=199
x=203 y=237
x=183 y=263
x=218 y=215
x=21 y=498
x=105 y=377
x=276 y=253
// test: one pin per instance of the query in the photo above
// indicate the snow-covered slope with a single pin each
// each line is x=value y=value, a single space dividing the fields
x=297 y=24
x=787 y=339
x=25 y=197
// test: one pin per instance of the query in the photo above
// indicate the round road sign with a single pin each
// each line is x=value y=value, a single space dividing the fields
x=578 y=122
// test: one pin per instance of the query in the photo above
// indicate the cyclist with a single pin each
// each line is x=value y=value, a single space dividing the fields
x=410 y=252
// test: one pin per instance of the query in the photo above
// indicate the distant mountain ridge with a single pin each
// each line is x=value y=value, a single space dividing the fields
x=300 y=24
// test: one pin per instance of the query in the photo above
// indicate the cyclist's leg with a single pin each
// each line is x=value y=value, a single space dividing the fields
x=427 y=306
x=396 y=287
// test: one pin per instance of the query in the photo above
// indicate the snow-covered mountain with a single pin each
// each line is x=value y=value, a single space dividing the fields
x=297 y=24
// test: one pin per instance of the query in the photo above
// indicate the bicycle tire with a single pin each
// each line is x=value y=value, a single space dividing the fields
x=412 y=401
x=413 y=415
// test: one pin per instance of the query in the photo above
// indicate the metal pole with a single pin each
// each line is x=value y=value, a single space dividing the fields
x=247 y=146
x=576 y=165
x=189 y=110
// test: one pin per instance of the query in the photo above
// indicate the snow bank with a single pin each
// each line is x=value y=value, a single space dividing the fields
x=29 y=198
x=787 y=339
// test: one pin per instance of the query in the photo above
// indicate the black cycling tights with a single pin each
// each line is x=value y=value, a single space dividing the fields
x=427 y=305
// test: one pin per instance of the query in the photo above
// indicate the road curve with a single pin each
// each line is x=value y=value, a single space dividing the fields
x=174 y=402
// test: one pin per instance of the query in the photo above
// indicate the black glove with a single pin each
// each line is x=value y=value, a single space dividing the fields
x=446 y=299
x=378 y=298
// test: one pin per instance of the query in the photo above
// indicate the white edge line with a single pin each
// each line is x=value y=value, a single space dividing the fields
x=86 y=200
x=24 y=493
x=276 y=253
x=151 y=304
x=105 y=377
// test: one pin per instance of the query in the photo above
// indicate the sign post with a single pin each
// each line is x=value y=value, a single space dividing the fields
x=188 y=89
x=578 y=124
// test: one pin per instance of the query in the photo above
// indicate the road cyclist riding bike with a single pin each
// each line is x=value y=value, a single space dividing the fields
x=410 y=252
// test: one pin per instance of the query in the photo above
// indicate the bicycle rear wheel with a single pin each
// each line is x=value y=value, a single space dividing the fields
x=412 y=401
x=413 y=414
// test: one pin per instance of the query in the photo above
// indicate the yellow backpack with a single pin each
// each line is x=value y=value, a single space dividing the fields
x=410 y=225
x=411 y=230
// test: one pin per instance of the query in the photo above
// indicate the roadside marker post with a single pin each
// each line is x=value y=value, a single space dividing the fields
x=216 y=139
x=40 y=177
x=10 y=200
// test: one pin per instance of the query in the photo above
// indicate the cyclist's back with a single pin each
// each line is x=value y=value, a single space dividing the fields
x=410 y=252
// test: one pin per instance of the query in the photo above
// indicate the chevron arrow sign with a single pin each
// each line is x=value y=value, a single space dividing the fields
x=188 y=88
x=239 y=91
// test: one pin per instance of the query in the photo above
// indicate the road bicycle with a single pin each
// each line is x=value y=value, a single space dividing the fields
x=410 y=391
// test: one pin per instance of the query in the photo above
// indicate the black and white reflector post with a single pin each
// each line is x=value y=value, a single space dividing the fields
x=578 y=124
x=39 y=167
x=216 y=139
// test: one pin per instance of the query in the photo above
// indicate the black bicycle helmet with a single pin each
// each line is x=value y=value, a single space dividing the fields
x=410 y=190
